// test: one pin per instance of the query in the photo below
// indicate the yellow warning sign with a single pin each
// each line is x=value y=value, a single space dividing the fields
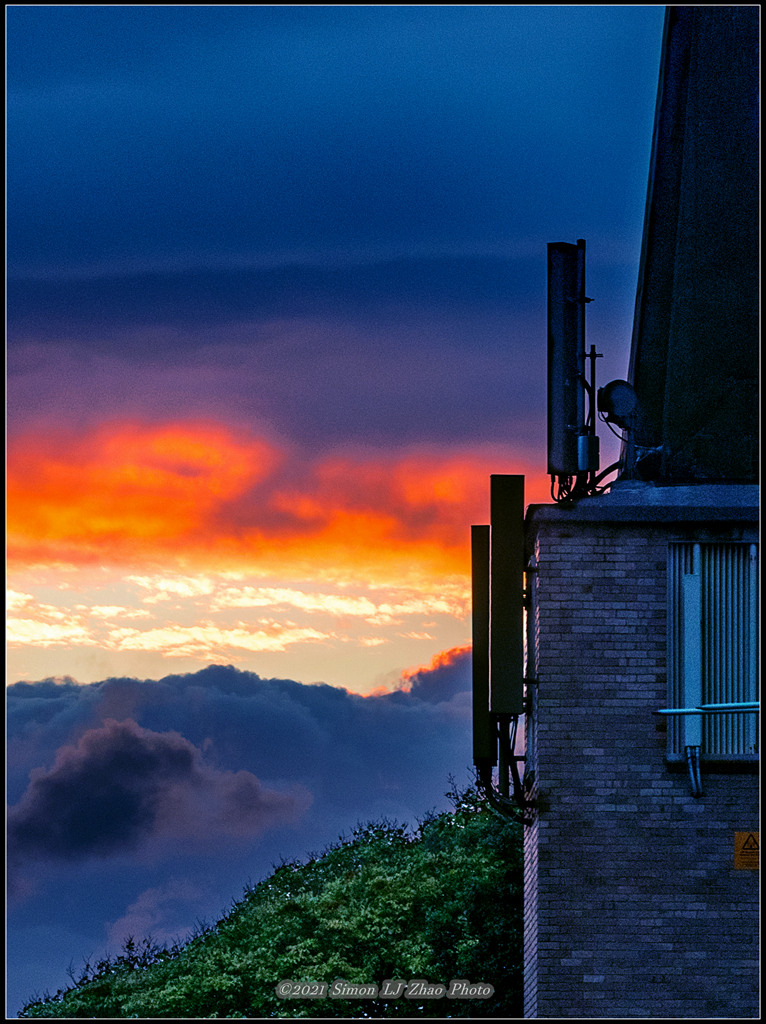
x=747 y=851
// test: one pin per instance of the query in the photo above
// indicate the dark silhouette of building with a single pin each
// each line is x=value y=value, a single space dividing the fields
x=694 y=357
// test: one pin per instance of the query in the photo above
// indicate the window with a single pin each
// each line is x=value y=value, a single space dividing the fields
x=713 y=647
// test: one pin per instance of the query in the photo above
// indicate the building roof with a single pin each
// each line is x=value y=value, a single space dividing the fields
x=646 y=502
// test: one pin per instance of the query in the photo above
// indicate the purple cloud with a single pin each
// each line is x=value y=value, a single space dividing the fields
x=122 y=785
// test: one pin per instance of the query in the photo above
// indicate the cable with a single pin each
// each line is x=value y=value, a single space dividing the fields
x=621 y=437
x=502 y=804
x=562 y=488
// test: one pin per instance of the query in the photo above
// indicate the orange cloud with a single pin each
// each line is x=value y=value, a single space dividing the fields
x=201 y=495
x=445 y=675
x=125 y=487
x=444 y=659
x=211 y=642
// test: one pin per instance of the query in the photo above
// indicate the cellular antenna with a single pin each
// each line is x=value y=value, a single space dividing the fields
x=566 y=355
x=573 y=447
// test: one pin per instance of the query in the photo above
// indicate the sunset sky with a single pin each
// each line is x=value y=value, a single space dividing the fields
x=276 y=310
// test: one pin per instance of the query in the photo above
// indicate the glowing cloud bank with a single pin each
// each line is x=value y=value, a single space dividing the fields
x=208 y=495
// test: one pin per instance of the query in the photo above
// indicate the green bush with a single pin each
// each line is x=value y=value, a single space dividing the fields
x=442 y=902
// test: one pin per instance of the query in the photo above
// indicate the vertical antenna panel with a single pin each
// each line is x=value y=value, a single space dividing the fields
x=484 y=731
x=506 y=600
x=566 y=354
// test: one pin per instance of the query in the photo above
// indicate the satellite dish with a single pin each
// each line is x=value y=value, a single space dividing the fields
x=618 y=401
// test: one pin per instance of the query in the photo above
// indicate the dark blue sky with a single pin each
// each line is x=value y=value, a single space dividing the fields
x=320 y=232
x=379 y=180
x=147 y=138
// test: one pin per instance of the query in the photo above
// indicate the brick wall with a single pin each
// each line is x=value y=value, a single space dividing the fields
x=632 y=903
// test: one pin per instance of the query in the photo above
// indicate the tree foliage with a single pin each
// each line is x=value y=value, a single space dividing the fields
x=441 y=902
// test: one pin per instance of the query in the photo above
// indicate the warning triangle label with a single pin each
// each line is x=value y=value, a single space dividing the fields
x=747 y=849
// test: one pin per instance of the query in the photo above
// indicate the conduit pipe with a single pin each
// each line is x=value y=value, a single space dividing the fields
x=695 y=773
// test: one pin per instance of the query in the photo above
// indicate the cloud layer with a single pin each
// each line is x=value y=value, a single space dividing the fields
x=132 y=493
x=101 y=770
